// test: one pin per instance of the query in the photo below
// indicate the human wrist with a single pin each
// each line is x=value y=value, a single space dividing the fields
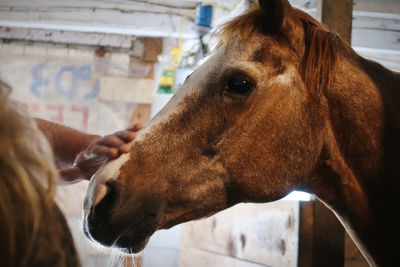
x=73 y=174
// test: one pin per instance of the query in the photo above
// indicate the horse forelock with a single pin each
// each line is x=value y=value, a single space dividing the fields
x=321 y=46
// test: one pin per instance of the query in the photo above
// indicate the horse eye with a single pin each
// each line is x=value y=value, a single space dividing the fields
x=239 y=85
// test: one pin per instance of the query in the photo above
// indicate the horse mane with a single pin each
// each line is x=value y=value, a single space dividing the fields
x=322 y=46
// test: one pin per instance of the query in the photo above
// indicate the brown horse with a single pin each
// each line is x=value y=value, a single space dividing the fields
x=282 y=104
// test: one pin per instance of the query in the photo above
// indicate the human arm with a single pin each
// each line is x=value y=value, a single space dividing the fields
x=79 y=155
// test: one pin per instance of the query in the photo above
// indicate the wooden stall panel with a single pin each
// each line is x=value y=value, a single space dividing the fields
x=353 y=256
x=263 y=234
x=126 y=89
x=195 y=257
x=153 y=47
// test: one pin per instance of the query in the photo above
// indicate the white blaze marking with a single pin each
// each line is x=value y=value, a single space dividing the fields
x=110 y=170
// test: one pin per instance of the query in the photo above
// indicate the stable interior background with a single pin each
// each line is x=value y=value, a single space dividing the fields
x=100 y=65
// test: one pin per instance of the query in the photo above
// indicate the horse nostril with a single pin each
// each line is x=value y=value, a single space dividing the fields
x=105 y=195
x=152 y=215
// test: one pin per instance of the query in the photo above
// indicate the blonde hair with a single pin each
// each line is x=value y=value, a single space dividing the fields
x=32 y=228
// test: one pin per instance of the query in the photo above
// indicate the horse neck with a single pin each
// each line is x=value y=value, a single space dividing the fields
x=359 y=162
x=364 y=116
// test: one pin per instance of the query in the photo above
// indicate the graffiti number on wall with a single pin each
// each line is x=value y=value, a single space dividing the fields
x=39 y=81
x=58 y=112
x=66 y=81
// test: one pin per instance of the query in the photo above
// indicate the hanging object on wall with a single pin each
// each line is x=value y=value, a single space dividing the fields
x=166 y=82
x=174 y=74
x=203 y=20
x=204 y=15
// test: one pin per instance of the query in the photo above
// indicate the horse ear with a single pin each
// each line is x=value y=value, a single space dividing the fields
x=274 y=12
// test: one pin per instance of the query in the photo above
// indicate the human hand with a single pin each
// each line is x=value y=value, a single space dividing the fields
x=91 y=158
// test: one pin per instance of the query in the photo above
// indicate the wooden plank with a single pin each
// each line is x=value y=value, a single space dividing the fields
x=338 y=15
x=194 y=257
x=321 y=240
x=125 y=89
x=141 y=69
x=373 y=38
x=124 y=5
x=137 y=18
x=105 y=21
x=265 y=234
x=66 y=37
x=388 y=58
x=371 y=28
x=383 y=6
x=153 y=48
x=328 y=247
x=353 y=256
x=306 y=234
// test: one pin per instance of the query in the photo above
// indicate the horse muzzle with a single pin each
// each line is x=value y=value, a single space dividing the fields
x=115 y=220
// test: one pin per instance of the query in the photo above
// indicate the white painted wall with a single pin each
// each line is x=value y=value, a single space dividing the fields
x=62 y=85
x=138 y=18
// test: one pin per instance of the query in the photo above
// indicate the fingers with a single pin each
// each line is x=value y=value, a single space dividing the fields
x=126 y=135
x=97 y=153
x=129 y=134
x=102 y=153
x=117 y=142
x=136 y=127
x=125 y=148
x=111 y=141
x=111 y=146
x=108 y=147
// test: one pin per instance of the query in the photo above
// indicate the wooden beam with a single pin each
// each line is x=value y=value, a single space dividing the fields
x=306 y=234
x=66 y=37
x=321 y=236
x=328 y=238
x=153 y=48
x=338 y=16
x=124 y=17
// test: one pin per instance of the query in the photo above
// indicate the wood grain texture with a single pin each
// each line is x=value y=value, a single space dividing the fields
x=265 y=234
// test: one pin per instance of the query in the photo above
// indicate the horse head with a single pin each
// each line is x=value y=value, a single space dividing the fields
x=243 y=128
x=247 y=126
